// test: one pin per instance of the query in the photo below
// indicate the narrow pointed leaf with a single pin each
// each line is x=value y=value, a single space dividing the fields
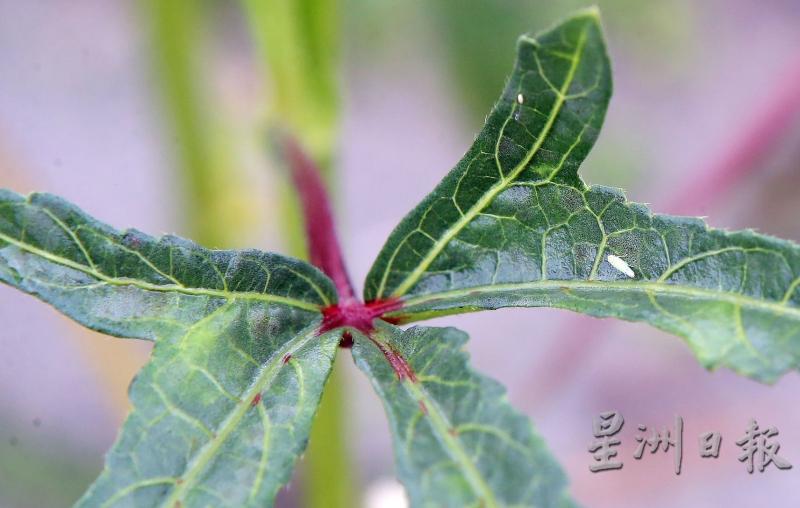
x=223 y=409
x=220 y=413
x=129 y=284
x=541 y=129
x=457 y=441
x=514 y=225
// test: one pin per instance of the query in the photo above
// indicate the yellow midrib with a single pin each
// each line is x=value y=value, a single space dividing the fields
x=452 y=445
x=659 y=288
x=487 y=198
x=121 y=281
x=206 y=454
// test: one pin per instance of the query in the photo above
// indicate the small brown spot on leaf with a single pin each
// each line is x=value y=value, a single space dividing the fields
x=287 y=358
x=256 y=400
x=423 y=408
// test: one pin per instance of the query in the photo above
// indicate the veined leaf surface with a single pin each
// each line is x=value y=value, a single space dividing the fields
x=514 y=225
x=457 y=440
x=224 y=407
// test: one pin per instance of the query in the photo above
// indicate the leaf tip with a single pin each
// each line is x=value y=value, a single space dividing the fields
x=592 y=11
x=588 y=16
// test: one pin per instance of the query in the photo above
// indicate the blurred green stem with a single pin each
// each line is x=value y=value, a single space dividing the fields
x=298 y=44
x=176 y=35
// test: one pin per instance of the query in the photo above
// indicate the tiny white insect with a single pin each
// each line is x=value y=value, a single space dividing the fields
x=520 y=98
x=620 y=264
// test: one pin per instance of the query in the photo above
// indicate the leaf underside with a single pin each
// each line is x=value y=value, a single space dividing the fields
x=223 y=409
x=457 y=440
x=514 y=225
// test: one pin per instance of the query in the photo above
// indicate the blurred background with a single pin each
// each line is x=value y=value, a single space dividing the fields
x=154 y=114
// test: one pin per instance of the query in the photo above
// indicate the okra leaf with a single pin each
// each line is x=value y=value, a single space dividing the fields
x=223 y=409
x=457 y=440
x=514 y=225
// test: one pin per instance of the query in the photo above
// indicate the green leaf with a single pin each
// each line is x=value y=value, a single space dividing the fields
x=131 y=285
x=224 y=408
x=540 y=130
x=514 y=225
x=220 y=414
x=457 y=441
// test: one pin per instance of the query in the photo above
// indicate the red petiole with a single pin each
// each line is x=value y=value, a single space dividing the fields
x=325 y=253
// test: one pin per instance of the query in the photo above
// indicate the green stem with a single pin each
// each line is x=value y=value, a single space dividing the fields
x=176 y=35
x=297 y=41
x=328 y=482
x=298 y=45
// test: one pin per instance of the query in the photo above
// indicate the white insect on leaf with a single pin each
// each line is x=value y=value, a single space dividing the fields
x=520 y=98
x=620 y=264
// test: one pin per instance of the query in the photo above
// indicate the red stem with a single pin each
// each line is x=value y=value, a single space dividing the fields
x=324 y=250
x=767 y=127
x=323 y=244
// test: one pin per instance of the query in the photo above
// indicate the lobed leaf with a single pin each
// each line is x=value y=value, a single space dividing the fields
x=514 y=225
x=457 y=440
x=223 y=409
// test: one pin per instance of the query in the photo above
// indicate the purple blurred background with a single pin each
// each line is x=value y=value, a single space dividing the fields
x=702 y=89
